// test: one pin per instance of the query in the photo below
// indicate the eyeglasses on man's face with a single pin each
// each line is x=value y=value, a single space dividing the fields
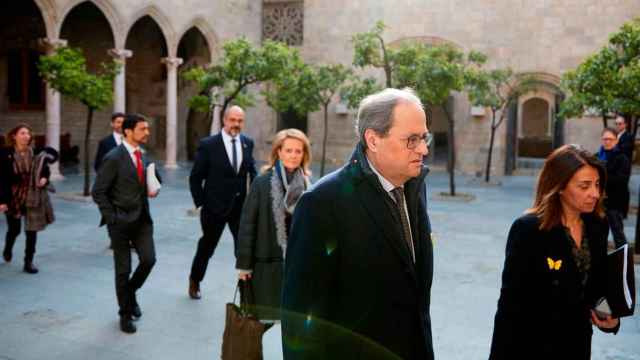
x=619 y=123
x=608 y=139
x=414 y=141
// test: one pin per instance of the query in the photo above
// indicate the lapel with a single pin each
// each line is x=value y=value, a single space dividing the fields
x=221 y=149
x=245 y=151
x=370 y=193
x=112 y=141
x=130 y=167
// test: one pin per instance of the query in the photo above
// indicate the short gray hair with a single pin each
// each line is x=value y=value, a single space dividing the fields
x=376 y=110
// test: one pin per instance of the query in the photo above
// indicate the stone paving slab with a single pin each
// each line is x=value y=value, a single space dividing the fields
x=68 y=310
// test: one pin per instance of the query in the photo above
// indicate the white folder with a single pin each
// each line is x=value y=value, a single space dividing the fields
x=153 y=184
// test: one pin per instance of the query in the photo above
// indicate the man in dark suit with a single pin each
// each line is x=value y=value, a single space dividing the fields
x=221 y=174
x=626 y=143
x=110 y=141
x=359 y=260
x=121 y=193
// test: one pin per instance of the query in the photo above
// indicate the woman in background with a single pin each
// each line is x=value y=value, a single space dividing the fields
x=24 y=177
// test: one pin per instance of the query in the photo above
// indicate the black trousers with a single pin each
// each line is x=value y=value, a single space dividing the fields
x=140 y=234
x=14 y=225
x=615 y=218
x=212 y=227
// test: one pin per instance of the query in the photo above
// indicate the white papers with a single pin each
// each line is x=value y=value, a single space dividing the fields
x=625 y=284
x=153 y=184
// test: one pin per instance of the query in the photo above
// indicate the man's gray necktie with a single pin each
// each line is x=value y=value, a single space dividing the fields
x=234 y=152
x=398 y=194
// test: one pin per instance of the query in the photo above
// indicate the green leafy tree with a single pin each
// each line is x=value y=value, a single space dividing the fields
x=434 y=72
x=608 y=82
x=496 y=89
x=66 y=72
x=309 y=89
x=241 y=65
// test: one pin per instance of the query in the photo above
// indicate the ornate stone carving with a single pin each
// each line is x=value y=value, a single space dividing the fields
x=283 y=21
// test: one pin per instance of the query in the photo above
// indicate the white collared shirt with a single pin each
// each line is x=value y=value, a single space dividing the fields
x=131 y=149
x=226 y=139
x=388 y=187
x=118 y=138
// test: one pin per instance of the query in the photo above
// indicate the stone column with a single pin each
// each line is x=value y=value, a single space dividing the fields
x=172 y=111
x=53 y=109
x=119 y=89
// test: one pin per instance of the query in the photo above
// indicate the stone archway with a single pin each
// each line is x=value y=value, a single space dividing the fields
x=87 y=27
x=146 y=78
x=533 y=130
x=194 y=49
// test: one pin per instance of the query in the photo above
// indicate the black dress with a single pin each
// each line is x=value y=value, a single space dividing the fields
x=548 y=289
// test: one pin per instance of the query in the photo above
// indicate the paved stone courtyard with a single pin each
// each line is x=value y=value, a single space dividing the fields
x=68 y=311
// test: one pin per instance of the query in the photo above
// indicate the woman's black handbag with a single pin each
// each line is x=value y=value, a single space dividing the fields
x=242 y=339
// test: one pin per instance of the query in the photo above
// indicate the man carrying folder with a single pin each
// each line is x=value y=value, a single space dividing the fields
x=121 y=193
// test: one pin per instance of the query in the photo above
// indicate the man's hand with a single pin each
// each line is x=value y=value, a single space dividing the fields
x=3 y=208
x=152 y=195
x=606 y=323
x=43 y=182
x=244 y=276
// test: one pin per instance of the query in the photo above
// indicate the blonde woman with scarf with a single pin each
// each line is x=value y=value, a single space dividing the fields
x=266 y=220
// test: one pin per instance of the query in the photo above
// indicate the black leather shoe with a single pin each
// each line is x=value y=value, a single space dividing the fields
x=7 y=256
x=30 y=268
x=127 y=325
x=194 y=290
x=136 y=313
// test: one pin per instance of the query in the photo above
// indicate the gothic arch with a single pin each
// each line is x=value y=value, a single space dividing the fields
x=107 y=9
x=48 y=13
x=163 y=23
x=207 y=32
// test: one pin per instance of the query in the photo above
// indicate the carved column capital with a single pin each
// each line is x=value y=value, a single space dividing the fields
x=50 y=44
x=120 y=54
x=172 y=62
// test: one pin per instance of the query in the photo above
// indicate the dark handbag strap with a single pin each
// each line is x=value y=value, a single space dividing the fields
x=247 y=296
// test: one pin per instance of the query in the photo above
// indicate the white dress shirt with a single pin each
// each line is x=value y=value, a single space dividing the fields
x=131 y=149
x=226 y=139
x=118 y=138
x=388 y=187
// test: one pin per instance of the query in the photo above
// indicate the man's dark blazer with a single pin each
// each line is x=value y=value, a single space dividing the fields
x=626 y=144
x=118 y=192
x=222 y=188
x=104 y=146
x=544 y=312
x=351 y=289
x=617 y=187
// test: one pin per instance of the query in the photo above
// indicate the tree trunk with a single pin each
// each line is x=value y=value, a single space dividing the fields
x=493 y=134
x=87 y=169
x=451 y=158
x=604 y=120
x=324 y=140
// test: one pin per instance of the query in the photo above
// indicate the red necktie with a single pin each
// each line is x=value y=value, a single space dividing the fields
x=139 y=166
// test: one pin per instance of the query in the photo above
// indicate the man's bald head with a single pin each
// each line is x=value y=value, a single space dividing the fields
x=233 y=120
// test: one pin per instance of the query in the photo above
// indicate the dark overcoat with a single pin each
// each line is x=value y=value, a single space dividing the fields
x=8 y=177
x=618 y=172
x=259 y=249
x=351 y=289
x=544 y=311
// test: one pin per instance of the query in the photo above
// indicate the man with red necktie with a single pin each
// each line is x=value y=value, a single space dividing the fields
x=121 y=193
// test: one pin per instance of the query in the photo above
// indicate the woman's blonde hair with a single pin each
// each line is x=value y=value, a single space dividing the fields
x=557 y=171
x=278 y=141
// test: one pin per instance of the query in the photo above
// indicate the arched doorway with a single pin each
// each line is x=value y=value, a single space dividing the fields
x=194 y=50
x=23 y=91
x=533 y=128
x=534 y=139
x=87 y=28
x=146 y=78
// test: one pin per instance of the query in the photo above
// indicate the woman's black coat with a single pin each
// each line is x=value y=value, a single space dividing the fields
x=8 y=177
x=258 y=248
x=544 y=313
